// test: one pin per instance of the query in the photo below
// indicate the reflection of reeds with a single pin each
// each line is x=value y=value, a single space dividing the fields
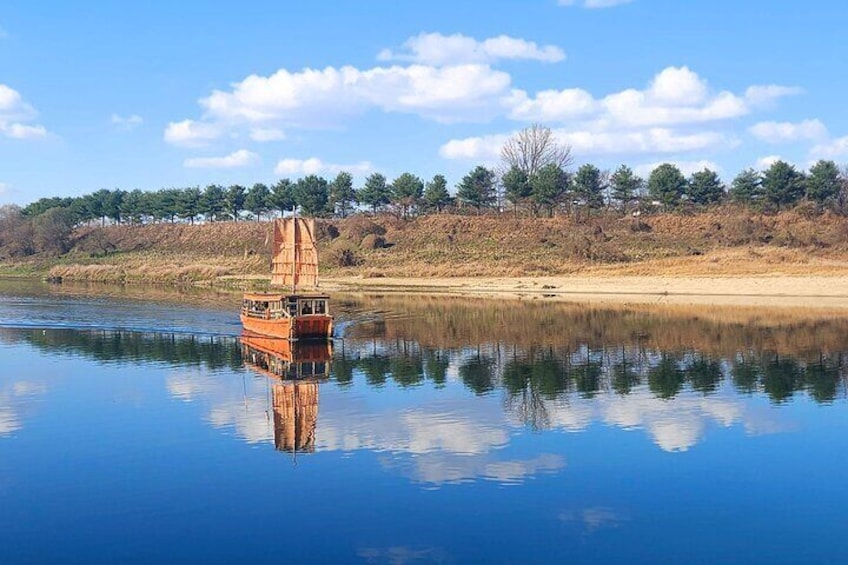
x=542 y=352
x=445 y=322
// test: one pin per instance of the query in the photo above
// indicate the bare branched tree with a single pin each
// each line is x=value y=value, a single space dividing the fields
x=15 y=232
x=534 y=147
x=841 y=200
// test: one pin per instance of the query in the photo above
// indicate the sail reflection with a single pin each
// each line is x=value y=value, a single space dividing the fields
x=296 y=369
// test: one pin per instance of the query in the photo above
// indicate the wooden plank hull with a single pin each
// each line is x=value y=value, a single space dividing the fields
x=299 y=327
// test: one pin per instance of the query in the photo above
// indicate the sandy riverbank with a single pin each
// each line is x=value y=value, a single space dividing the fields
x=776 y=291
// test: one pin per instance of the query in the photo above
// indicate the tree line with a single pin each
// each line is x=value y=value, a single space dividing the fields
x=533 y=178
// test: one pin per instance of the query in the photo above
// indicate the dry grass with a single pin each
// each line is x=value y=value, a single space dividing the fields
x=723 y=242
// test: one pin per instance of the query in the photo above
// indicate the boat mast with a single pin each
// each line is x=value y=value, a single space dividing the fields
x=294 y=249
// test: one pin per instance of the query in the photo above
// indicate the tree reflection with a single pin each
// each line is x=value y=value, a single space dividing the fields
x=436 y=365
x=704 y=374
x=665 y=379
x=746 y=374
x=376 y=368
x=781 y=378
x=587 y=377
x=530 y=356
x=541 y=371
x=343 y=370
x=822 y=380
x=625 y=377
x=476 y=374
x=213 y=352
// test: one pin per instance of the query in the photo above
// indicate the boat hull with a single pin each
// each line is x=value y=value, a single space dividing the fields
x=298 y=327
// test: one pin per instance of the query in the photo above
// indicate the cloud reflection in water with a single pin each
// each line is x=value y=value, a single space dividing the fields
x=15 y=399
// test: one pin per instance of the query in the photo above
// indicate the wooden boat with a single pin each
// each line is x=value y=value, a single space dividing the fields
x=304 y=312
x=295 y=368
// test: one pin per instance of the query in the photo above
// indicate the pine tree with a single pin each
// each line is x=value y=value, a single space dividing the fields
x=477 y=188
x=436 y=195
x=705 y=188
x=625 y=187
x=667 y=185
x=375 y=192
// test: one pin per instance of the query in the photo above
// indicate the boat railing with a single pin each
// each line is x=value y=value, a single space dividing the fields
x=263 y=314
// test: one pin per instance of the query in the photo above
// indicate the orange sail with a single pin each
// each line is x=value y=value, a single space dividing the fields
x=295 y=258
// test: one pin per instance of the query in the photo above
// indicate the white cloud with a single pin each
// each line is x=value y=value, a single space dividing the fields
x=486 y=147
x=588 y=142
x=328 y=97
x=686 y=167
x=675 y=96
x=660 y=119
x=767 y=161
x=764 y=94
x=314 y=166
x=267 y=134
x=666 y=116
x=189 y=133
x=314 y=98
x=16 y=115
x=553 y=105
x=461 y=92
x=832 y=149
x=594 y=3
x=4 y=188
x=678 y=86
x=437 y=49
x=126 y=122
x=23 y=131
x=12 y=105
x=240 y=158
x=653 y=140
x=777 y=132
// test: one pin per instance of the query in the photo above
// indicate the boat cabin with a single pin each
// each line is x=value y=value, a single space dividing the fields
x=268 y=306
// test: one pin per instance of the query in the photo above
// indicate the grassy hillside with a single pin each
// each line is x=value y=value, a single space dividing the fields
x=726 y=241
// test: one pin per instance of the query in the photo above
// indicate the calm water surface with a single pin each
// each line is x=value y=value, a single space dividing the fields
x=135 y=426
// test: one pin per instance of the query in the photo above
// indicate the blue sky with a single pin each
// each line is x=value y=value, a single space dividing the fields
x=107 y=94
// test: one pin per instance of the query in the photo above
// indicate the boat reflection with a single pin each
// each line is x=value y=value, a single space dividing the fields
x=296 y=368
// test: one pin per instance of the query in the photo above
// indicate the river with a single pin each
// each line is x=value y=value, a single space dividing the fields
x=135 y=426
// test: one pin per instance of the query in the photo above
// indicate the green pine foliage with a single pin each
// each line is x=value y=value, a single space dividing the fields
x=667 y=185
x=477 y=188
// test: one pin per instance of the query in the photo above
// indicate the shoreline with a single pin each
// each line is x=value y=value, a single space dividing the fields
x=781 y=290
x=812 y=291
